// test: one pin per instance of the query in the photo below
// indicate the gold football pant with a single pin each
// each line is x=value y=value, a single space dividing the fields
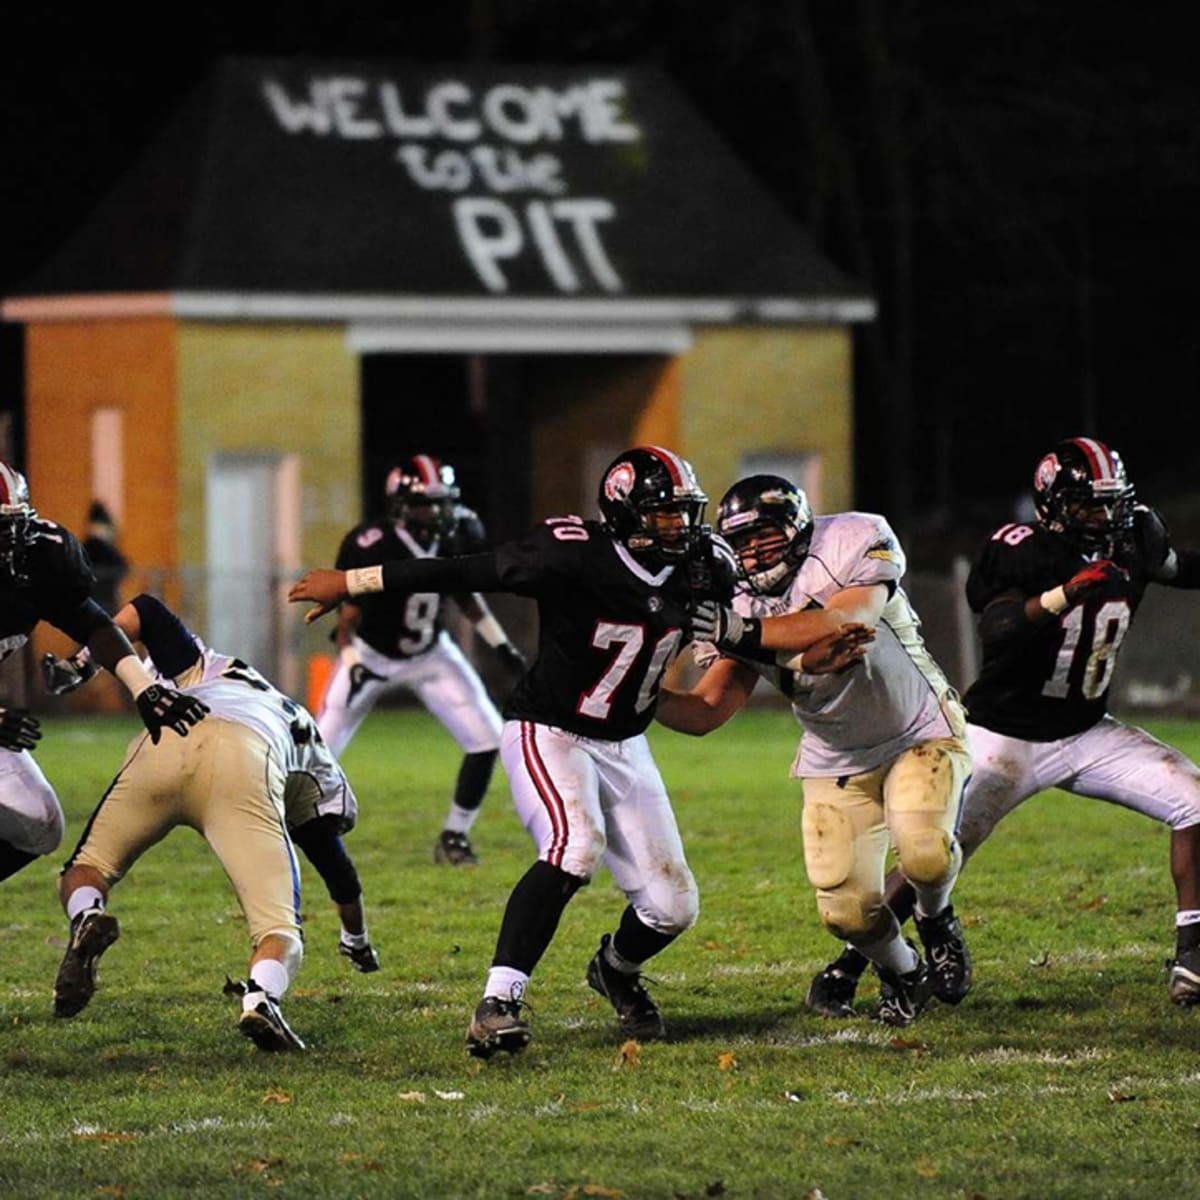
x=222 y=781
x=911 y=803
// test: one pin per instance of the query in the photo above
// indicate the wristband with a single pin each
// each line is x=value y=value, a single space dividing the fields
x=751 y=638
x=491 y=631
x=131 y=671
x=361 y=581
x=1055 y=600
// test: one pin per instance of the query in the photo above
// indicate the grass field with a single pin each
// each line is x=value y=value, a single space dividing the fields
x=1066 y=1072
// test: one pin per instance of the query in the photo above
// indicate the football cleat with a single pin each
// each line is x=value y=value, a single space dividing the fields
x=362 y=958
x=949 y=958
x=455 y=849
x=902 y=997
x=497 y=1024
x=637 y=1014
x=263 y=1023
x=92 y=932
x=1184 y=982
x=831 y=993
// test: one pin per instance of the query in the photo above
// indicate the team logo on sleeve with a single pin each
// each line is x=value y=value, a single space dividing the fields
x=885 y=549
x=618 y=483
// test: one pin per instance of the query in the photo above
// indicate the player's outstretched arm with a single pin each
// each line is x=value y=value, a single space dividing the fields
x=721 y=692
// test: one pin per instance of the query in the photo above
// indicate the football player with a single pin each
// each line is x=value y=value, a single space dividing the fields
x=257 y=763
x=1055 y=599
x=402 y=641
x=45 y=576
x=613 y=600
x=883 y=758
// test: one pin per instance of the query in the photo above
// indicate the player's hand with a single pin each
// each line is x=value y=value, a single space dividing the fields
x=1091 y=578
x=726 y=629
x=1149 y=544
x=164 y=708
x=18 y=730
x=62 y=675
x=324 y=586
x=513 y=660
x=838 y=651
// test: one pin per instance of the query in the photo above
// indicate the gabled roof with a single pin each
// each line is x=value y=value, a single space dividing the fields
x=380 y=189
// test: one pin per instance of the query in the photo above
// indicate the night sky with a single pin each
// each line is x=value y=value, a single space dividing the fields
x=1018 y=183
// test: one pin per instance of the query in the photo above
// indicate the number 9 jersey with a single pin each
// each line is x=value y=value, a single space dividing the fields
x=1048 y=680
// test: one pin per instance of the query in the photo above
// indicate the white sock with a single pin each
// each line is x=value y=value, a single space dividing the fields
x=506 y=983
x=891 y=952
x=83 y=898
x=270 y=975
x=356 y=941
x=460 y=820
x=1187 y=916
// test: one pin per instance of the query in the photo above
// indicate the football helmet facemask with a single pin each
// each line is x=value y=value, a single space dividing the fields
x=768 y=522
x=1081 y=491
x=16 y=517
x=421 y=494
x=652 y=504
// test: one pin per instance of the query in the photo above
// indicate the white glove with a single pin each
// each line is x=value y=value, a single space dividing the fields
x=713 y=622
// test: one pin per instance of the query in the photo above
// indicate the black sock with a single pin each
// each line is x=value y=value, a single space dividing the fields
x=851 y=962
x=12 y=859
x=1187 y=937
x=473 y=778
x=635 y=941
x=532 y=915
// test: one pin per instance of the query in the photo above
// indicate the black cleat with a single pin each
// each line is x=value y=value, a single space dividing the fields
x=454 y=849
x=902 y=997
x=949 y=958
x=362 y=958
x=831 y=993
x=637 y=1014
x=1184 y=982
x=497 y=1024
x=264 y=1025
x=92 y=932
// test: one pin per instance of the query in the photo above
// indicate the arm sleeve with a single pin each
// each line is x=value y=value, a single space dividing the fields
x=167 y=639
x=81 y=622
x=472 y=573
x=1004 y=621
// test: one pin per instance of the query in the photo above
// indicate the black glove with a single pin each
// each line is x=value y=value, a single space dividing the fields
x=513 y=659
x=711 y=568
x=62 y=675
x=726 y=629
x=18 y=730
x=1148 y=546
x=163 y=707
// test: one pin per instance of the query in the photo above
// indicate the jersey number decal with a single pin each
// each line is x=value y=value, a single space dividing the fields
x=1108 y=631
x=1012 y=535
x=597 y=703
x=420 y=619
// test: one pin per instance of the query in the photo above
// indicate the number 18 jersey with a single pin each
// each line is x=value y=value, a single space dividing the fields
x=1052 y=681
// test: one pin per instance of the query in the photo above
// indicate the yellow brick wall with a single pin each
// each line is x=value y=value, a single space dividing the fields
x=780 y=390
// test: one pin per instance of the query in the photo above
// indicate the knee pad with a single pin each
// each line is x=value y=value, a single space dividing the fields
x=926 y=855
x=848 y=915
x=828 y=845
x=670 y=910
x=584 y=852
x=49 y=833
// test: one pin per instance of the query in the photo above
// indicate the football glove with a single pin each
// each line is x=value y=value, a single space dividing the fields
x=1091 y=578
x=18 y=730
x=513 y=660
x=62 y=675
x=726 y=629
x=1148 y=546
x=164 y=708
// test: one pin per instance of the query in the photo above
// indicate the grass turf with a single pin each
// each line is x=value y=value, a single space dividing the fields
x=1066 y=1072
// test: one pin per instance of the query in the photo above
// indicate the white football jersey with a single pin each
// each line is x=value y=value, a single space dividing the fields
x=233 y=691
x=868 y=715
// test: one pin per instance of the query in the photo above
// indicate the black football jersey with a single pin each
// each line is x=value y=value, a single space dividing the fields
x=608 y=629
x=404 y=626
x=1053 y=682
x=56 y=584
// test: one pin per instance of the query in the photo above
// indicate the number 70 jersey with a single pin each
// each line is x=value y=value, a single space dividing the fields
x=608 y=628
x=1053 y=682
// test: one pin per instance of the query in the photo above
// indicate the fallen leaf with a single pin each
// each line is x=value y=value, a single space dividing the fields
x=727 y=1061
x=276 y=1096
x=1095 y=902
x=1118 y=1097
x=412 y=1097
x=917 y=1047
x=261 y=1165
x=926 y=1168
x=594 y=1189
x=710 y=945
x=630 y=1055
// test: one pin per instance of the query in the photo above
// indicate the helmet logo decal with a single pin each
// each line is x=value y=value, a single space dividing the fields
x=618 y=483
x=1047 y=472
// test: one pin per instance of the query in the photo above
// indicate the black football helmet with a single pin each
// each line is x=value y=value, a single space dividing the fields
x=769 y=523
x=16 y=518
x=421 y=494
x=1081 y=491
x=651 y=503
